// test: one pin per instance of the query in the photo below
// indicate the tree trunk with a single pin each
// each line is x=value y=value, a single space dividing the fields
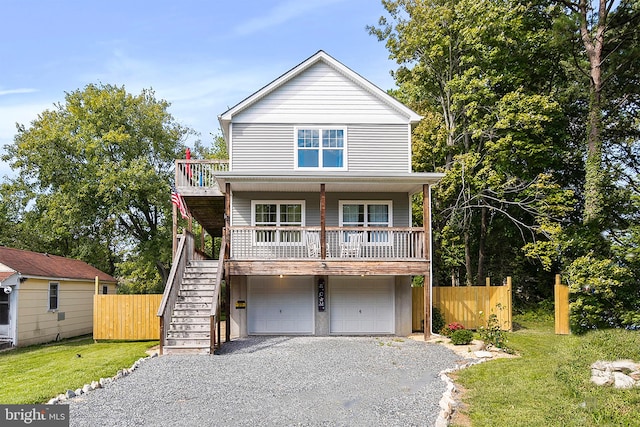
x=467 y=257
x=481 y=244
x=594 y=43
x=163 y=271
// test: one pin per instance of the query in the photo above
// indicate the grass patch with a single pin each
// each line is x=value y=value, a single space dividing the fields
x=550 y=383
x=37 y=373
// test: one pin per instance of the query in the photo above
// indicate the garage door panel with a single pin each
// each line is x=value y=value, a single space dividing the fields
x=280 y=306
x=362 y=306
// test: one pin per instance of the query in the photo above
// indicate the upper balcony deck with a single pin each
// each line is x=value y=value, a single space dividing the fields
x=196 y=177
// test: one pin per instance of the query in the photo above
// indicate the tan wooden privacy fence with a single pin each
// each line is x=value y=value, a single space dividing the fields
x=126 y=317
x=417 y=315
x=469 y=305
x=561 y=303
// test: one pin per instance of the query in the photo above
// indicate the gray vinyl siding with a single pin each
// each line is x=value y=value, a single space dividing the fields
x=241 y=206
x=370 y=147
x=263 y=147
x=378 y=148
x=320 y=95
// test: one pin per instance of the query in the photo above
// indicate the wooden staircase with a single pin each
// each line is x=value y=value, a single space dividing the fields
x=190 y=327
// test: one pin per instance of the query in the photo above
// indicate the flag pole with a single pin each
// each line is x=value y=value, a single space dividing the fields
x=175 y=231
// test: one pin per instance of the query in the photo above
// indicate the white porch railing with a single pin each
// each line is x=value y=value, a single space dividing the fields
x=353 y=243
x=199 y=173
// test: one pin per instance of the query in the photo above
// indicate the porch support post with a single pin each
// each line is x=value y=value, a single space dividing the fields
x=426 y=221
x=323 y=222
x=227 y=255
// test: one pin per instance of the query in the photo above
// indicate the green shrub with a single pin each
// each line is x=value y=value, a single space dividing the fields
x=461 y=337
x=493 y=334
x=437 y=318
x=445 y=331
x=604 y=294
x=450 y=328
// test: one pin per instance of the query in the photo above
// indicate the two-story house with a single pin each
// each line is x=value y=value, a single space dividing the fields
x=316 y=205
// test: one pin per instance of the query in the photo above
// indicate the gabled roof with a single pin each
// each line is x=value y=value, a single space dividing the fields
x=36 y=264
x=226 y=117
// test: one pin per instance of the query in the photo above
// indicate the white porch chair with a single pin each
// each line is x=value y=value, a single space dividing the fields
x=351 y=248
x=313 y=244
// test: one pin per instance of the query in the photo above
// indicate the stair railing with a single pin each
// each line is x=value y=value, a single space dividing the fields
x=216 y=302
x=184 y=254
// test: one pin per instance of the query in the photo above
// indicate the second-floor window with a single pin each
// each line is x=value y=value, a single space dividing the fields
x=280 y=214
x=320 y=148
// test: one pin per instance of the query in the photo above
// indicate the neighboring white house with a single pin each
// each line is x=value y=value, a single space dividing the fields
x=317 y=199
x=46 y=297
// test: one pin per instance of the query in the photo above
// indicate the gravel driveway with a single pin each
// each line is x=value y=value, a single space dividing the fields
x=278 y=381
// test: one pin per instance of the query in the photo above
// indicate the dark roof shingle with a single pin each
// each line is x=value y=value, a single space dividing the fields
x=44 y=265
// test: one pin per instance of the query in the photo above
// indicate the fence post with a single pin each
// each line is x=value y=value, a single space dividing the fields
x=561 y=304
x=509 y=304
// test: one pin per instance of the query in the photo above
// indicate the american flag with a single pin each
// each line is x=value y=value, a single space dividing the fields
x=177 y=200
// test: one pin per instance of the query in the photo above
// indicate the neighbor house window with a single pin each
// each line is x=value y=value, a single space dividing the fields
x=320 y=148
x=105 y=289
x=54 y=289
x=367 y=214
x=280 y=214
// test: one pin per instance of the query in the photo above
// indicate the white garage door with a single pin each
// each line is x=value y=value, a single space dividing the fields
x=362 y=305
x=280 y=305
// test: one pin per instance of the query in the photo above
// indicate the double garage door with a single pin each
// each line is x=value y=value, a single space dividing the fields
x=357 y=305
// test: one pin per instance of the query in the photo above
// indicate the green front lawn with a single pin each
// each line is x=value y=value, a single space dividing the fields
x=35 y=374
x=549 y=385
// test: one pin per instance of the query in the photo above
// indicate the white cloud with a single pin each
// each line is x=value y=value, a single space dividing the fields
x=280 y=14
x=16 y=91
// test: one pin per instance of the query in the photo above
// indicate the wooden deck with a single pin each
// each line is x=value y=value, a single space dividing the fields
x=318 y=250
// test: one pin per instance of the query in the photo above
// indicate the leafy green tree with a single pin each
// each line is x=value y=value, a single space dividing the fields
x=605 y=36
x=482 y=74
x=94 y=176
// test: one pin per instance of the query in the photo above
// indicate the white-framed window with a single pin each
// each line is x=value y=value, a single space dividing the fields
x=321 y=148
x=371 y=213
x=54 y=293
x=278 y=213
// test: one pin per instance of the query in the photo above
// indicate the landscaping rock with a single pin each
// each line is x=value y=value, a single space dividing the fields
x=623 y=381
x=601 y=365
x=87 y=388
x=602 y=380
x=623 y=374
x=482 y=354
x=625 y=365
x=70 y=394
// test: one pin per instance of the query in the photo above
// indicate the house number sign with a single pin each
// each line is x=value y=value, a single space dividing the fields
x=321 y=295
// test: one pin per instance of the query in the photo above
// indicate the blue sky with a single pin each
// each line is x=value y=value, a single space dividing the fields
x=201 y=56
